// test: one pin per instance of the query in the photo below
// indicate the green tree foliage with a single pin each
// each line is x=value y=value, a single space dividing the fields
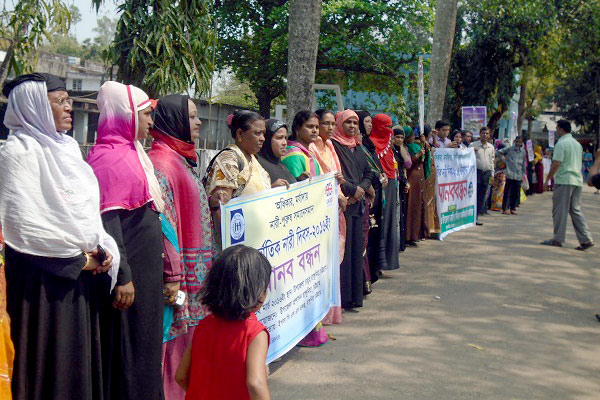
x=90 y=49
x=578 y=95
x=494 y=40
x=362 y=43
x=163 y=46
x=24 y=27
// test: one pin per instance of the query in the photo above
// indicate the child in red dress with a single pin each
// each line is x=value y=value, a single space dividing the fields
x=227 y=357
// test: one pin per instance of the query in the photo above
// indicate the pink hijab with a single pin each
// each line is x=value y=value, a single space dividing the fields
x=123 y=169
x=339 y=135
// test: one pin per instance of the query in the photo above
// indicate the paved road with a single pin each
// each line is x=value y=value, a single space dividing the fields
x=514 y=320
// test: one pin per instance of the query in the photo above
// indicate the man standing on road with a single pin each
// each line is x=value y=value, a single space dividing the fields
x=568 y=185
x=485 y=156
x=515 y=169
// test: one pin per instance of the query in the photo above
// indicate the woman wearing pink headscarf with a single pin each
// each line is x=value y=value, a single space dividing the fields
x=359 y=178
x=381 y=136
x=130 y=202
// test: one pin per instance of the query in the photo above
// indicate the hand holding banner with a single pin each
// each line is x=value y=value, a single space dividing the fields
x=297 y=230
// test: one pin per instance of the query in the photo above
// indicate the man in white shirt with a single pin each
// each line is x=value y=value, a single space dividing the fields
x=439 y=138
x=485 y=156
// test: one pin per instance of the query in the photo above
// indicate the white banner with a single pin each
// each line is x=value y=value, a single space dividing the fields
x=456 y=189
x=297 y=230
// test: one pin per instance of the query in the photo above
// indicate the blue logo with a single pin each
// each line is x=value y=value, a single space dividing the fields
x=237 y=227
x=470 y=190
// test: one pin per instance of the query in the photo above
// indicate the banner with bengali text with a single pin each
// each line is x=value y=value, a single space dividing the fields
x=297 y=230
x=456 y=189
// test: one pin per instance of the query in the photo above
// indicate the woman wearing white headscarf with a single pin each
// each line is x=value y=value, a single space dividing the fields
x=130 y=203
x=49 y=212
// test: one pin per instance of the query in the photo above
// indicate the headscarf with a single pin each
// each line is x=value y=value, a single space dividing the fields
x=172 y=126
x=123 y=169
x=53 y=82
x=171 y=116
x=266 y=151
x=366 y=140
x=339 y=135
x=381 y=136
x=49 y=202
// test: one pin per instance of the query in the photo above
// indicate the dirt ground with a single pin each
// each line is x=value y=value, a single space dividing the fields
x=486 y=314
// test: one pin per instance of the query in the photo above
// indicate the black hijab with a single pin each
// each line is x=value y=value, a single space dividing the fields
x=366 y=141
x=172 y=117
x=267 y=159
x=53 y=82
x=272 y=125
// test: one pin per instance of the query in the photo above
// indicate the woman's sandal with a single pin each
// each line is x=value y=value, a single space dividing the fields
x=551 y=242
x=584 y=246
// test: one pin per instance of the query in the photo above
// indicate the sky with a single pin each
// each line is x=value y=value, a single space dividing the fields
x=84 y=29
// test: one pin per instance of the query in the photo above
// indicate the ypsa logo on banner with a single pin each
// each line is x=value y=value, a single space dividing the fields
x=471 y=190
x=329 y=194
x=237 y=227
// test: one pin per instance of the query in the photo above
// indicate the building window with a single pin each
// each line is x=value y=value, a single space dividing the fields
x=77 y=84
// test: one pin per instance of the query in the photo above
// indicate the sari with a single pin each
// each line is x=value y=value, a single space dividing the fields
x=415 y=205
x=186 y=215
x=299 y=159
x=7 y=350
x=329 y=161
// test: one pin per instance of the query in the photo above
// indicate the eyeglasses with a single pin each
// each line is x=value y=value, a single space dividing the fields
x=63 y=101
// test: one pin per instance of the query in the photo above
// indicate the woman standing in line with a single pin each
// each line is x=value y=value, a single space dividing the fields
x=49 y=212
x=130 y=203
x=430 y=218
x=299 y=160
x=381 y=136
x=323 y=149
x=271 y=152
x=374 y=238
x=415 y=203
x=359 y=178
x=187 y=228
x=404 y=163
x=235 y=171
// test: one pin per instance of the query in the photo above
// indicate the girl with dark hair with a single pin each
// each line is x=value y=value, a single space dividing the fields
x=375 y=258
x=227 y=357
x=187 y=228
x=273 y=149
x=359 y=179
x=323 y=149
x=301 y=162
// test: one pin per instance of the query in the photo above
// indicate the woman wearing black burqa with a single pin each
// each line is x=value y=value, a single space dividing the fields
x=375 y=241
x=404 y=162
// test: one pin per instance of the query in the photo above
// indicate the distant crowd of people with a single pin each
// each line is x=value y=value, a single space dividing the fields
x=116 y=285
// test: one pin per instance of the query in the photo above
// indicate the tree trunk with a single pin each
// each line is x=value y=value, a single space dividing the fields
x=443 y=38
x=6 y=63
x=304 y=29
x=522 y=103
x=264 y=104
